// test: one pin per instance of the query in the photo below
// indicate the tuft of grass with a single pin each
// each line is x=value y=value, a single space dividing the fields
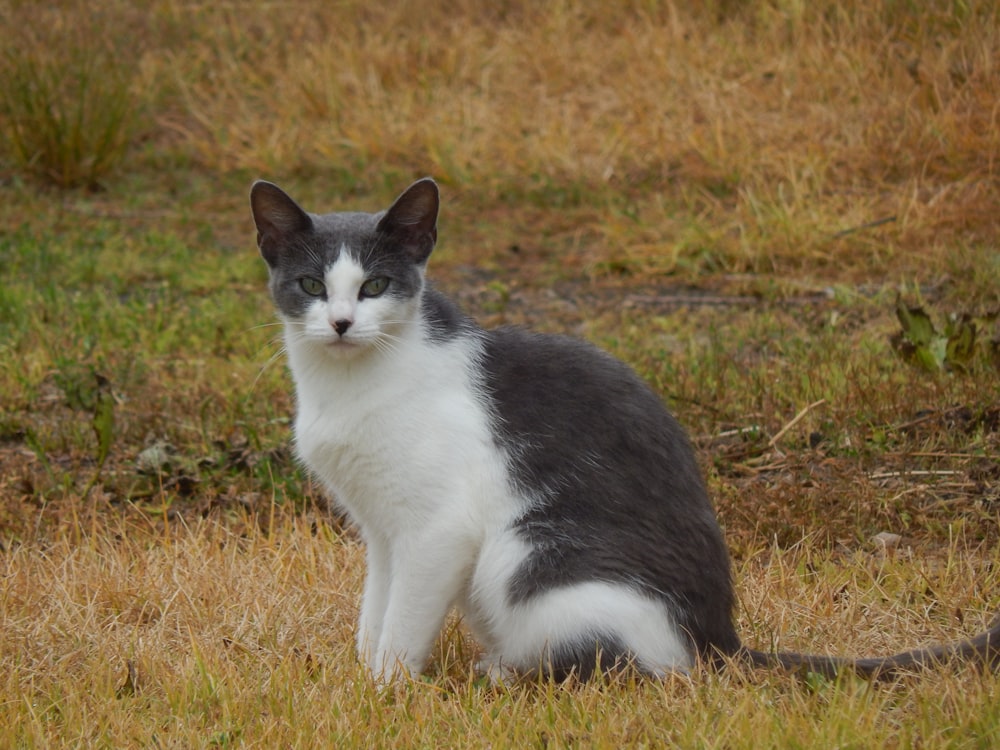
x=70 y=105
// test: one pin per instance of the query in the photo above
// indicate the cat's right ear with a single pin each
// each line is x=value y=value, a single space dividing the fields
x=277 y=217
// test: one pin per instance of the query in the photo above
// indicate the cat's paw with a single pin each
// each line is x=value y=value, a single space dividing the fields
x=389 y=670
x=495 y=671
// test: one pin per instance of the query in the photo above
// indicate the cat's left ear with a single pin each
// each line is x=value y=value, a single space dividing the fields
x=412 y=220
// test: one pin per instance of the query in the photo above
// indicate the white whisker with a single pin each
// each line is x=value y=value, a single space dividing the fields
x=270 y=361
x=275 y=324
x=386 y=344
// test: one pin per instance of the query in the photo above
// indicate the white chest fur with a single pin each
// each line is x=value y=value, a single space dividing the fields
x=403 y=441
x=393 y=433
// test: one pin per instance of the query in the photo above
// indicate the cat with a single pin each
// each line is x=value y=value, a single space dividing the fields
x=532 y=481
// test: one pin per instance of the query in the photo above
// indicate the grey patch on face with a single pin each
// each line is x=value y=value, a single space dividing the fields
x=378 y=255
x=302 y=257
x=619 y=494
x=311 y=254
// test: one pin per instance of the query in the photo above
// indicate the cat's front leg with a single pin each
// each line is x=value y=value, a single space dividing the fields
x=427 y=577
x=373 y=600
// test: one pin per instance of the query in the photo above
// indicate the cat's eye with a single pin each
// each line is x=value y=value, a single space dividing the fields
x=374 y=286
x=312 y=286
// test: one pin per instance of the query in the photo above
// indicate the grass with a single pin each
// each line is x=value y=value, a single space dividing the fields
x=729 y=198
x=203 y=636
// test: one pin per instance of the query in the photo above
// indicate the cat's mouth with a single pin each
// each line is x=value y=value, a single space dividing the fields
x=341 y=346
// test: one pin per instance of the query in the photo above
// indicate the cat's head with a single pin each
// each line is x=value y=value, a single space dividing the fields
x=347 y=282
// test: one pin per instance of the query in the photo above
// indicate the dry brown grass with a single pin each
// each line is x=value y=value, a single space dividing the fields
x=138 y=635
x=755 y=137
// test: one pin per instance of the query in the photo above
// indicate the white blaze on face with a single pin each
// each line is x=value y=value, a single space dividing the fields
x=343 y=281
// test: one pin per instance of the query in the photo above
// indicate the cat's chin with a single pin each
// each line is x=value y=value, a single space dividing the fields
x=329 y=347
x=345 y=349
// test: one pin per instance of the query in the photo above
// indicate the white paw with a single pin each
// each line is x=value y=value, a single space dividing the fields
x=495 y=671
x=388 y=670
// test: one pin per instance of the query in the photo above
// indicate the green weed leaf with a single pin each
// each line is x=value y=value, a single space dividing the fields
x=920 y=343
x=104 y=427
x=916 y=323
x=961 y=344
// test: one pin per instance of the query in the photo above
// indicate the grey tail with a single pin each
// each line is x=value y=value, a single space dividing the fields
x=983 y=649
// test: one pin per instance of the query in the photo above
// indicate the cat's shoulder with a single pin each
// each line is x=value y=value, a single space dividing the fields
x=444 y=320
x=514 y=349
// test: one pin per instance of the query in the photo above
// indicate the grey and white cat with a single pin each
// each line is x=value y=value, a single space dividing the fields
x=532 y=481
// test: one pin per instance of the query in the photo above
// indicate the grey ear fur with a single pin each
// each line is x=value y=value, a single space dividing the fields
x=412 y=219
x=276 y=216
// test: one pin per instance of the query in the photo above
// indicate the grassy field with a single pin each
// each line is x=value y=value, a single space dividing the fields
x=738 y=200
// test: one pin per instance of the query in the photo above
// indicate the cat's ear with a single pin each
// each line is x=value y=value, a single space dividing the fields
x=411 y=221
x=277 y=217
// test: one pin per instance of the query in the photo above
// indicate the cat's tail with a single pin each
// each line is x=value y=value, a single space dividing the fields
x=983 y=649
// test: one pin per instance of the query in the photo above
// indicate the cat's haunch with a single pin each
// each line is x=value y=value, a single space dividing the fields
x=532 y=481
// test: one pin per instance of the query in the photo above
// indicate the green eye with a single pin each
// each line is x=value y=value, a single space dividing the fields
x=312 y=286
x=374 y=286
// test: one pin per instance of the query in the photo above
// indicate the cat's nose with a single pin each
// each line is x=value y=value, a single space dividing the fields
x=341 y=326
